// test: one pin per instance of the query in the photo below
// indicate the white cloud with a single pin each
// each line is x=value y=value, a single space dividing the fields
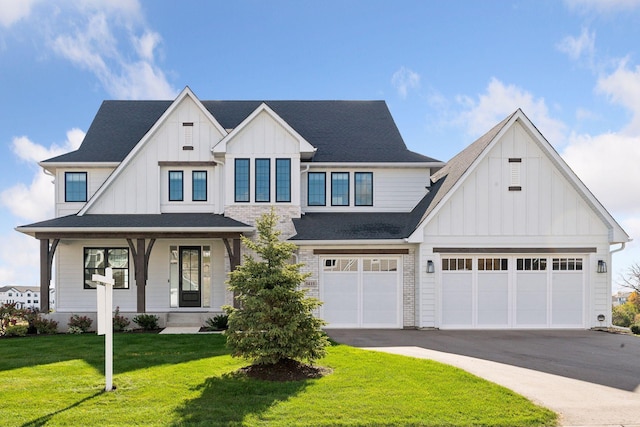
x=146 y=44
x=34 y=202
x=607 y=164
x=405 y=79
x=12 y=11
x=622 y=87
x=603 y=6
x=582 y=46
x=498 y=102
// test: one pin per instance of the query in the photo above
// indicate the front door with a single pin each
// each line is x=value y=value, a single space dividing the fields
x=190 y=274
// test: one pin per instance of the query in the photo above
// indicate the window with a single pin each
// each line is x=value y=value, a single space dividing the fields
x=531 y=264
x=175 y=186
x=241 y=187
x=380 y=264
x=199 y=186
x=493 y=264
x=457 y=264
x=363 y=182
x=567 y=264
x=316 y=188
x=263 y=178
x=75 y=186
x=96 y=260
x=283 y=180
x=340 y=264
x=339 y=188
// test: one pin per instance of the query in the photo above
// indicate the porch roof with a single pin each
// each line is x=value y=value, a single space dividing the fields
x=136 y=225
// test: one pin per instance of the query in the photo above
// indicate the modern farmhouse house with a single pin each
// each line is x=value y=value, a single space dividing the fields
x=502 y=236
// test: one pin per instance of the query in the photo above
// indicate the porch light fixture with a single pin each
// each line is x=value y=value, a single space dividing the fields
x=602 y=266
x=430 y=267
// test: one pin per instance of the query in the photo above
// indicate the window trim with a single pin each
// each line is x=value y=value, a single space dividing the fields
x=193 y=186
x=324 y=188
x=66 y=182
x=106 y=249
x=264 y=161
x=181 y=199
x=235 y=180
x=348 y=198
x=279 y=198
x=355 y=188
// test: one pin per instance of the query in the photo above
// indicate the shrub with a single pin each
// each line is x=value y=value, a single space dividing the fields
x=624 y=314
x=217 y=323
x=31 y=315
x=81 y=322
x=45 y=326
x=9 y=316
x=119 y=322
x=635 y=329
x=148 y=322
x=75 y=330
x=16 y=330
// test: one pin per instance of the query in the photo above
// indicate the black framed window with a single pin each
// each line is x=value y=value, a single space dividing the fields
x=339 y=188
x=241 y=180
x=96 y=260
x=199 y=186
x=75 y=186
x=363 y=188
x=176 y=186
x=316 y=189
x=283 y=180
x=263 y=180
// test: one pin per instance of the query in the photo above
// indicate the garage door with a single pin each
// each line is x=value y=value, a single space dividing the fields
x=361 y=292
x=512 y=292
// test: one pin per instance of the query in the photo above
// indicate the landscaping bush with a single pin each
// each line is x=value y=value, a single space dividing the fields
x=75 y=330
x=80 y=322
x=16 y=330
x=31 y=315
x=119 y=322
x=217 y=323
x=45 y=326
x=9 y=316
x=624 y=314
x=148 y=322
x=635 y=329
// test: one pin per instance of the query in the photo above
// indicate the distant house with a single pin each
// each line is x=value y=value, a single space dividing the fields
x=504 y=235
x=620 y=297
x=23 y=296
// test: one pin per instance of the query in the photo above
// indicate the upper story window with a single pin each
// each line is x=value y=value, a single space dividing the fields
x=263 y=179
x=316 y=189
x=283 y=180
x=241 y=180
x=363 y=188
x=199 y=186
x=96 y=260
x=75 y=186
x=176 y=186
x=340 y=188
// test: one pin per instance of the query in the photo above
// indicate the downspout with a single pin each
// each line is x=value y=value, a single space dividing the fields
x=622 y=246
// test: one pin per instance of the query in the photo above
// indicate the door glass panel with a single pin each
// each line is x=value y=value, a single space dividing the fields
x=190 y=269
x=206 y=276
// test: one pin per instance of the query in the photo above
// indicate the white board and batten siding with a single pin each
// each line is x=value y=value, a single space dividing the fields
x=262 y=138
x=142 y=188
x=96 y=176
x=395 y=189
x=547 y=212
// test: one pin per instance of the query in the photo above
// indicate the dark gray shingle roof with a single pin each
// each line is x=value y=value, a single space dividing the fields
x=342 y=131
x=115 y=221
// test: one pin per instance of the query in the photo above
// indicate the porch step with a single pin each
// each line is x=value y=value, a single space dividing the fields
x=185 y=320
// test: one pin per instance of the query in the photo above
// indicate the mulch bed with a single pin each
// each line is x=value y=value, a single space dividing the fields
x=285 y=370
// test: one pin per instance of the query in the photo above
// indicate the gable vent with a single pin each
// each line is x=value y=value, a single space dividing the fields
x=187 y=128
x=514 y=169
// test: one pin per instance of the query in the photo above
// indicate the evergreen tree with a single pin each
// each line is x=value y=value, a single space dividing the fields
x=275 y=321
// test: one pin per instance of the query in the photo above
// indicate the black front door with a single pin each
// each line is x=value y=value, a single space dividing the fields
x=190 y=276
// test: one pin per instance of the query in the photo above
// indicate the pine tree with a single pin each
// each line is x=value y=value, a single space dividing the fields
x=275 y=321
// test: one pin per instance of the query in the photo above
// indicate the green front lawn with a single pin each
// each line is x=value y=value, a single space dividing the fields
x=175 y=380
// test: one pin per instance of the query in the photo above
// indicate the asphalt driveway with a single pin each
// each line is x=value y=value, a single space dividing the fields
x=590 y=378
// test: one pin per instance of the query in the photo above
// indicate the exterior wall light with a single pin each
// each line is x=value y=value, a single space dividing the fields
x=602 y=266
x=430 y=267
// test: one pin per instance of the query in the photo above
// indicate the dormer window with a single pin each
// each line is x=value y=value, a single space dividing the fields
x=339 y=188
x=176 y=186
x=75 y=186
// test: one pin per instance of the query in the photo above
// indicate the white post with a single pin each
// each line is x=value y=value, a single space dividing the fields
x=105 y=321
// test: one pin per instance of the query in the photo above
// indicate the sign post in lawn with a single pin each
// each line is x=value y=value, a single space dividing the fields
x=105 y=321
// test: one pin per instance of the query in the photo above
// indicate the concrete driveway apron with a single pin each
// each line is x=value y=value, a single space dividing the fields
x=589 y=378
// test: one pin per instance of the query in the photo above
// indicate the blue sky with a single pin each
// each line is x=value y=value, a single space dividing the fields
x=449 y=71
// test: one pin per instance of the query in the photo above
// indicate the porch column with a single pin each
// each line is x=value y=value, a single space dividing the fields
x=141 y=265
x=234 y=259
x=46 y=264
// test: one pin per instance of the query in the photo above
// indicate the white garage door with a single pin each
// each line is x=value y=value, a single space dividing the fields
x=512 y=292
x=361 y=292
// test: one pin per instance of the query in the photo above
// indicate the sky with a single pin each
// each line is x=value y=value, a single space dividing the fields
x=448 y=70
